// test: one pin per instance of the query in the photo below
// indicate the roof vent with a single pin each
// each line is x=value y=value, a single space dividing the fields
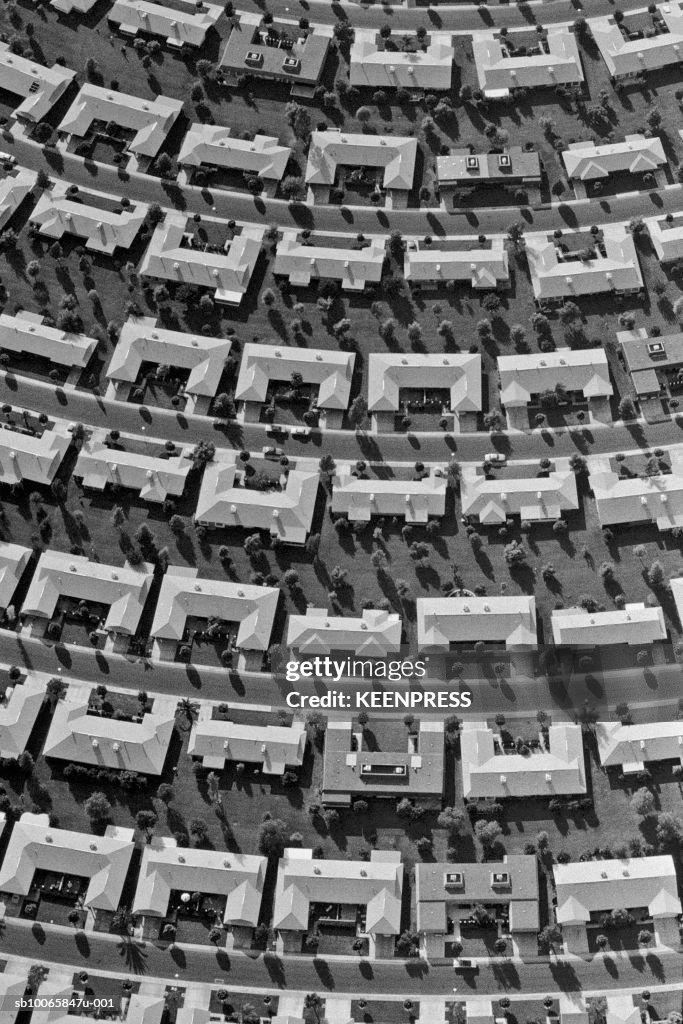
x=603 y=874
x=363 y=873
x=227 y=864
x=49 y=839
x=197 y=588
x=93 y=846
x=317 y=871
x=181 y=859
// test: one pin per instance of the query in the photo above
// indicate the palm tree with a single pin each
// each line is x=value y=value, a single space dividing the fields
x=189 y=709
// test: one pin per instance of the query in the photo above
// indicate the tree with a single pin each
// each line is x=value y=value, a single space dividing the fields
x=499 y=947
x=145 y=822
x=488 y=833
x=358 y=412
x=272 y=838
x=627 y=410
x=315 y=1004
x=514 y=554
x=644 y=937
x=188 y=708
x=199 y=830
x=165 y=793
x=55 y=690
x=669 y=829
x=215 y=935
x=655 y=575
x=97 y=807
x=452 y=820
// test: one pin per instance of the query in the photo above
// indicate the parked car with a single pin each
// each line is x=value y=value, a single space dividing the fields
x=301 y=432
x=495 y=459
x=273 y=453
x=277 y=431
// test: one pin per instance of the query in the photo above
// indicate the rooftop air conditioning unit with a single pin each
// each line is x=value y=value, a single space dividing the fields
x=472 y=163
x=454 y=880
x=291 y=64
x=500 y=879
x=655 y=349
x=254 y=58
x=504 y=160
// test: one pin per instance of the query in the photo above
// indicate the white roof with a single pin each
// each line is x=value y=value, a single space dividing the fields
x=602 y=885
x=553 y=277
x=273 y=747
x=532 y=498
x=150 y=119
x=657 y=499
x=141 y=340
x=41 y=87
x=636 y=154
x=215 y=145
x=31 y=456
x=445 y=620
x=13 y=560
x=103 y=230
x=301 y=262
x=182 y=595
x=154 y=478
x=498 y=73
x=67 y=6
x=483 y=268
x=13 y=191
x=428 y=68
x=522 y=376
x=375 y=633
x=166 y=867
x=558 y=770
x=115 y=743
x=330 y=370
x=185 y=22
x=287 y=513
x=667 y=239
x=376 y=884
x=28 y=333
x=58 y=573
x=329 y=150
x=414 y=500
x=636 y=744
x=634 y=56
x=388 y=372
x=228 y=272
x=35 y=845
x=18 y=713
x=633 y=624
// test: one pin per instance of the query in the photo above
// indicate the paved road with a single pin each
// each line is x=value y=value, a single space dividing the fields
x=413 y=979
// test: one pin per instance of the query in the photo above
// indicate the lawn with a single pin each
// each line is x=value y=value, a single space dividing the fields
x=384 y=1011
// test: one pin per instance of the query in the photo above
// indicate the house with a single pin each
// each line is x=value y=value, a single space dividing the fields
x=515 y=168
x=121 y=590
x=264 y=366
x=167 y=869
x=353 y=771
x=489 y=771
x=154 y=478
x=443 y=621
x=40 y=86
x=31 y=457
x=13 y=190
x=648 y=499
x=19 y=710
x=413 y=500
x=582 y=374
x=36 y=849
x=533 y=499
x=393 y=377
x=71 y=6
x=171 y=257
x=630 y=748
x=277 y=52
x=447 y=893
x=633 y=624
x=428 y=66
x=481 y=268
x=331 y=150
x=142 y=341
x=588 y=889
x=666 y=235
x=183 y=595
x=28 y=334
x=373 y=634
x=637 y=154
x=365 y=897
x=556 y=62
x=147 y=120
x=12 y=990
x=102 y=229
x=78 y=733
x=13 y=561
x=184 y=24
x=654 y=363
x=272 y=748
x=626 y=57
x=212 y=145
x=302 y=262
x=287 y=513
x=612 y=266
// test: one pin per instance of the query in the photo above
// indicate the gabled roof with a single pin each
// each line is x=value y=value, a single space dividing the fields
x=445 y=620
x=666 y=238
x=331 y=371
x=273 y=747
x=483 y=268
x=372 y=65
x=31 y=456
x=531 y=498
x=182 y=595
x=215 y=145
x=166 y=867
x=633 y=624
x=13 y=560
x=18 y=713
x=123 y=589
x=634 y=56
x=13 y=190
x=248 y=35
x=375 y=632
x=140 y=746
x=41 y=87
x=27 y=333
x=302 y=262
x=657 y=499
x=175 y=24
x=329 y=150
x=522 y=376
x=498 y=72
x=34 y=844
x=388 y=372
x=287 y=513
x=553 y=275
x=150 y=119
x=104 y=230
x=602 y=885
x=153 y=477
x=486 y=772
x=637 y=744
x=413 y=500
x=636 y=154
